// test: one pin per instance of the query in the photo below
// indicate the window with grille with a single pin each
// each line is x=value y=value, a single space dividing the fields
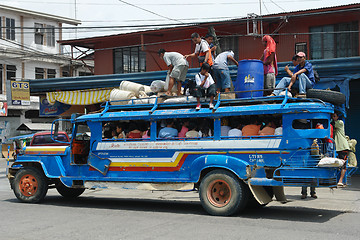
x=39 y=33
x=50 y=35
x=10 y=72
x=230 y=43
x=51 y=73
x=10 y=28
x=334 y=41
x=39 y=73
x=129 y=60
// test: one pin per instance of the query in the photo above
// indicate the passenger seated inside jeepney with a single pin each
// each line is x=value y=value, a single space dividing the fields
x=206 y=128
x=192 y=133
x=225 y=127
x=236 y=128
x=268 y=129
x=169 y=131
x=134 y=131
x=278 y=129
x=184 y=127
x=253 y=128
x=119 y=131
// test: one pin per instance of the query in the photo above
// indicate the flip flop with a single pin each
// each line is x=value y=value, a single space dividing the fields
x=340 y=185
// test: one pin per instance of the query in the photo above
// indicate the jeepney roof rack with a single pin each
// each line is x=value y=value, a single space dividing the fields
x=190 y=102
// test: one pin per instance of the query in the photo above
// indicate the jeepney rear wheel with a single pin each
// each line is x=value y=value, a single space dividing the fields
x=222 y=193
x=30 y=185
x=69 y=192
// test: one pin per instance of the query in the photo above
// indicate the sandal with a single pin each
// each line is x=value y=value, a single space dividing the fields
x=340 y=184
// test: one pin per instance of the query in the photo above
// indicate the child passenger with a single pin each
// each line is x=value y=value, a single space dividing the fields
x=205 y=85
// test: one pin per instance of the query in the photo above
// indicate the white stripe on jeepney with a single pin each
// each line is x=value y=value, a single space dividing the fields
x=191 y=145
x=140 y=159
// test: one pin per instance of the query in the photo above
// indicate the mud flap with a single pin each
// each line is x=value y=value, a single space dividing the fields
x=279 y=194
x=100 y=164
x=260 y=194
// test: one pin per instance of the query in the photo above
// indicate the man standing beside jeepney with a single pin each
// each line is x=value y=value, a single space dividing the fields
x=302 y=77
x=178 y=67
x=202 y=50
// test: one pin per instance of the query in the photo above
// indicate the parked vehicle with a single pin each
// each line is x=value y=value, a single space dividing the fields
x=46 y=138
x=230 y=172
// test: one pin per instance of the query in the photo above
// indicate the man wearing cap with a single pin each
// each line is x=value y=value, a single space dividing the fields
x=302 y=77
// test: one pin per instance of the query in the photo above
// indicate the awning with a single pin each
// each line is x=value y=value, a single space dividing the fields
x=35 y=127
x=81 y=97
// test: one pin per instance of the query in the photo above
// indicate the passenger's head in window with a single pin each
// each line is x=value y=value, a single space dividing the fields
x=108 y=134
x=119 y=131
x=301 y=124
x=319 y=126
x=170 y=123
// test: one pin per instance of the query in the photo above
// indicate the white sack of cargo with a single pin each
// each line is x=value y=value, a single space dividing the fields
x=135 y=100
x=132 y=87
x=118 y=96
x=180 y=99
x=330 y=162
x=147 y=89
x=157 y=86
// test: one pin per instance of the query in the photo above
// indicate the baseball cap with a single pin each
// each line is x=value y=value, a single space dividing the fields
x=301 y=54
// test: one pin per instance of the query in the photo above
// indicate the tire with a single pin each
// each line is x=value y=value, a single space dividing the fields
x=336 y=98
x=69 y=192
x=222 y=193
x=30 y=185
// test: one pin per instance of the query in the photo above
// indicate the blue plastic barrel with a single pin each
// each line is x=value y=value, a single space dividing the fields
x=250 y=76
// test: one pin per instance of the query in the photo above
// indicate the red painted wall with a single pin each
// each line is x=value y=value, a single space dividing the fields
x=178 y=39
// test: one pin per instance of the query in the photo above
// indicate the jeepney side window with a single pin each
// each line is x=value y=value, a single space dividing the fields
x=126 y=130
x=250 y=126
x=185 y=129
x=310 y=124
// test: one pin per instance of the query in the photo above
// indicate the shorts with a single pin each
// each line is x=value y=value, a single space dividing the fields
x=343 y=155
x=269 y=80
x=222 y=77
x=179 y=73
x=201 y=92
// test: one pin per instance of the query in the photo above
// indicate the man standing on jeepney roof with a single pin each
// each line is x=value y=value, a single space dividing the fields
x=221 y=70
x=178 y=67
x=202 y=50
x=270 y=63
x=302 y=77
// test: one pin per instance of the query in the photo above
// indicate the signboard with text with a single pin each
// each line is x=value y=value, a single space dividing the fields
x=20 y=93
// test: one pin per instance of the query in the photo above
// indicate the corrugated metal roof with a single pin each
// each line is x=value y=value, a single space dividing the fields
x=35 y=127
x=84 y=42
x=325 y=68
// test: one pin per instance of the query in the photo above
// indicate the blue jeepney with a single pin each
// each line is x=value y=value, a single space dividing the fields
x=230 y=173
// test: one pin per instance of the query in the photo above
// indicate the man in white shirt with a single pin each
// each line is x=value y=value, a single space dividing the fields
x=205 y=85
x=178 y=67
x=202 y=50
x=221 y=70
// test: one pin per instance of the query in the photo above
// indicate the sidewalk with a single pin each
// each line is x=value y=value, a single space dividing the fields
x=341 y=199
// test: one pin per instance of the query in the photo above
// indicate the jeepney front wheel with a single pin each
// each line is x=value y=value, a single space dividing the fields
x=222 y=193
x=69 y=192
x=30 y=185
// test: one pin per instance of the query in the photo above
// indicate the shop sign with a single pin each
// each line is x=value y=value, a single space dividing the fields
x=20 y=93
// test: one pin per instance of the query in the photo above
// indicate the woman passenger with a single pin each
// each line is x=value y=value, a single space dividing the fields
x=134 y=131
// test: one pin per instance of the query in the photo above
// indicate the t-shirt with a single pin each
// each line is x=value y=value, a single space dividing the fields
x=199 y=78
x=309 y=73
x=267 y=131
x=175 y=59
x=225 y=130
x=192 y=134
x=221 y=61
x=203 y=46
x=183 y=131
x=278 y=131
x=235 y=132
x=251 y=130
x=168 y=132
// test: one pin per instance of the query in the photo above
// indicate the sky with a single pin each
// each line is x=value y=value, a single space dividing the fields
x=111 y=13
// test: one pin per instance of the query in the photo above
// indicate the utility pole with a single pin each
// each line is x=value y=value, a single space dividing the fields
x=261 y=23
x=75 y=9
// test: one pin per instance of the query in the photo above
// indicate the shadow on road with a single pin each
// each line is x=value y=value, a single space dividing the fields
x=288 y=213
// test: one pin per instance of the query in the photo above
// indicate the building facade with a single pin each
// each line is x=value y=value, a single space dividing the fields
x=29 y=49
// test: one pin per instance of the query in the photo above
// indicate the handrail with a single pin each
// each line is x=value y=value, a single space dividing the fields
x=155 y=106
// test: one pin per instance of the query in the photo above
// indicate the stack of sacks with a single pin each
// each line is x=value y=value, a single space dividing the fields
x=129 y=90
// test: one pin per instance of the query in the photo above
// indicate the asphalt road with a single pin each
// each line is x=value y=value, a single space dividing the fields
x=163 y=215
